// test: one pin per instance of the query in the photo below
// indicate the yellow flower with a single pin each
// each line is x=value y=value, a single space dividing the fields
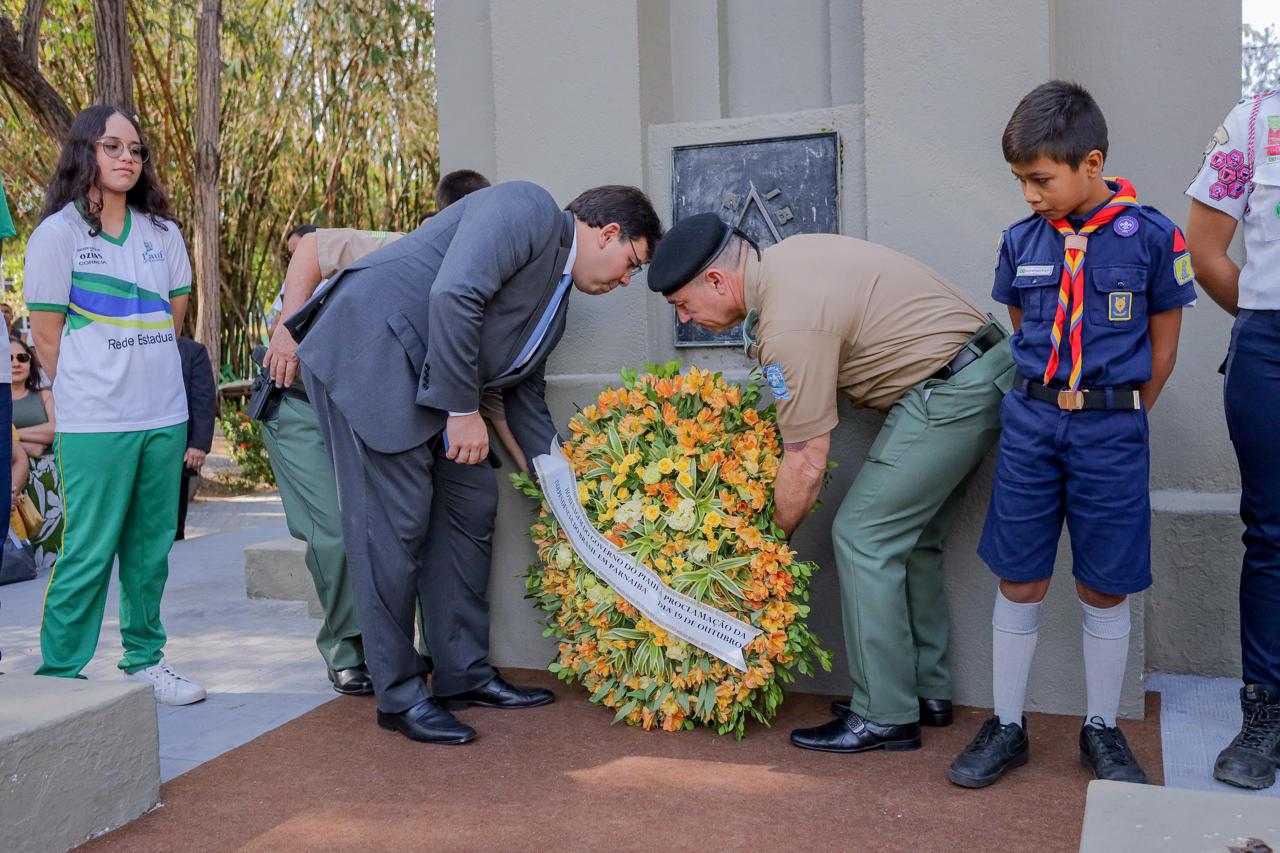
x=651 y=512
x=713 y=519
x=623 y=493
x=582 y=493
x=685 y=480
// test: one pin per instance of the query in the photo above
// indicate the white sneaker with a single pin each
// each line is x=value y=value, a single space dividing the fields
x=171 y=688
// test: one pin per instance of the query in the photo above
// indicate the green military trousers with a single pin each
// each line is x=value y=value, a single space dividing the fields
x=119 y=498
x=888 y=536
x=309 y=493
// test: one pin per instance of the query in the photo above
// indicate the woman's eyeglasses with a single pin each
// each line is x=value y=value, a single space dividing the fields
x=114 y=149
x=20 y=357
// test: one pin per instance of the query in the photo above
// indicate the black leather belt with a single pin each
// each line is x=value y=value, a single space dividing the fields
x=1121 y=397
x=977 y=346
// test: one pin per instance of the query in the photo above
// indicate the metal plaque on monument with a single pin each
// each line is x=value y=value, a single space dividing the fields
x=770 y=188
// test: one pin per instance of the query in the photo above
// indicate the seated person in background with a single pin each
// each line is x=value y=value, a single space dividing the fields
x=34 y=421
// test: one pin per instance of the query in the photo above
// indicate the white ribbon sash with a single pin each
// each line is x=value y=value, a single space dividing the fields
x=711 y=630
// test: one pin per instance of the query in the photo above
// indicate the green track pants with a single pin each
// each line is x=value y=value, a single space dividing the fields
x=888 y=536
x=119 y=499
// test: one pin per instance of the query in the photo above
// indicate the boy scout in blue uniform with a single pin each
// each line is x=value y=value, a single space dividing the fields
x=1095 y=284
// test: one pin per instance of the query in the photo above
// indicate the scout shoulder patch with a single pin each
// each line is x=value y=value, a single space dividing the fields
x=1120 y=305
x=777 y=381
x=1182 y=270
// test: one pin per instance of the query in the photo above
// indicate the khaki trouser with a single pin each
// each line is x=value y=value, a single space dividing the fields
x=888 y=536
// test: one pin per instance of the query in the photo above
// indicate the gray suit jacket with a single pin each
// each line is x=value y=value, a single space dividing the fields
x=424 y=325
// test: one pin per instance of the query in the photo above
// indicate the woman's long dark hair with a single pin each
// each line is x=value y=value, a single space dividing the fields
x=33 y=375
x=77 y=172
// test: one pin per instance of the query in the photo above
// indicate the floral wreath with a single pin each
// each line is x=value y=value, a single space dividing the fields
x=678 y=471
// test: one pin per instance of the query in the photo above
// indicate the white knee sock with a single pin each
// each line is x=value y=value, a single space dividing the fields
x=1014 y=630
x=1106 y=648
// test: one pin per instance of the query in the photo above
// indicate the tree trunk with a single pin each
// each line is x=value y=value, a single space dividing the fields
x=208 y=165
x=113 y=64
x=19 y=71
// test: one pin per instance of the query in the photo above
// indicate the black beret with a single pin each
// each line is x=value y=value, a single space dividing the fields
x=686 y=250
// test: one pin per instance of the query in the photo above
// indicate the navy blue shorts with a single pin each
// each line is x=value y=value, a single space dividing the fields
x=1090 y=467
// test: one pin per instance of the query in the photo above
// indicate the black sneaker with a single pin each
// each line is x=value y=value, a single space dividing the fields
x=1251 y=759
x=995 y=749
x=1104 y=750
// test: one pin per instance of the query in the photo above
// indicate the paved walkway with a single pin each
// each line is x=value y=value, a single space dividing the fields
x=256 y=658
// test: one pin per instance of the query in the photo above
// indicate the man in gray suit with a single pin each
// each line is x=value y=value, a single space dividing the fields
x=398 y=350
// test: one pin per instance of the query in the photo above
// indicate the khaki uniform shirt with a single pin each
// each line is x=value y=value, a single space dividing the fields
x=338 y=247
x=841 y=315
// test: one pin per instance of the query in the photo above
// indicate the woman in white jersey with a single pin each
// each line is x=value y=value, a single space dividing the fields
x=1239 y=184
x=106 y=281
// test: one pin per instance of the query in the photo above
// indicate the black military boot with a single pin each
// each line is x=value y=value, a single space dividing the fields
x=1251 y=759
x=1104 y=750
x=993 y=750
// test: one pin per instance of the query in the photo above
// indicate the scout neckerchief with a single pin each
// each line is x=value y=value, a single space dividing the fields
x=1072 y=283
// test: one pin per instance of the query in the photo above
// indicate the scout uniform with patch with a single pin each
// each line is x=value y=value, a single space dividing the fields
x=835 y=316
x=1074 y=440
x=121 y=413
x=1240 y=176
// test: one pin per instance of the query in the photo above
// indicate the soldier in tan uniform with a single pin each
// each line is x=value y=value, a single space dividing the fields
x=828 y=315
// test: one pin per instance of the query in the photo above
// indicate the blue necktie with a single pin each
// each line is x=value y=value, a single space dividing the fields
x=540 y=331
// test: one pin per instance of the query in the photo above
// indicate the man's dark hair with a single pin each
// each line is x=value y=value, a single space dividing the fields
x=455 y=185
x=627 y=206
x=1058 y=120
x=300 y=231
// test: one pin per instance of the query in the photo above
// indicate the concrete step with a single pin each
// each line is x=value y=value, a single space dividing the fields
x=277 y=569
x=1193 y=606
x=77 y=758
x=1122 y=818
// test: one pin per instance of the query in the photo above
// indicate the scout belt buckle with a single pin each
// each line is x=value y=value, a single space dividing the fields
x=1071 y=401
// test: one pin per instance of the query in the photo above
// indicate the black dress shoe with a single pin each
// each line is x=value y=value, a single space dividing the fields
x=850 y=733
x=993 y=750
x=933 y=712
x=499 y=693
x=354 y=681
x=1104 y=750
x=427 y=722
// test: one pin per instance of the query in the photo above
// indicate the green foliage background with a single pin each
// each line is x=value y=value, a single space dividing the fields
x=328 y=116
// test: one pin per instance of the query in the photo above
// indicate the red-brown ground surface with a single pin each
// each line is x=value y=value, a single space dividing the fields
x=561 y=778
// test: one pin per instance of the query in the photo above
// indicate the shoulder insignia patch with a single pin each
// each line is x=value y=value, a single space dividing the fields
x=777 y=381
x=1182 y=270
x=1220 y=137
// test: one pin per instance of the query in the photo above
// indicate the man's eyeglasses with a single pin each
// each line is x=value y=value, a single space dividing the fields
x=20 y=357
x=636 y=264
x=114 y=149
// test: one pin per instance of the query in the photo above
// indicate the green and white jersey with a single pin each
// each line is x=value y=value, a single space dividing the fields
x=118 y=364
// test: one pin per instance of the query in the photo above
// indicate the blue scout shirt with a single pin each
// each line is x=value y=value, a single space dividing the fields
x=1136 y=265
